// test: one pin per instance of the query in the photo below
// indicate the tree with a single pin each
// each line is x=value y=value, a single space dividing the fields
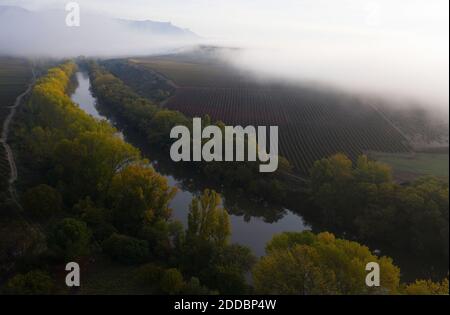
x=206 y=252
x=33 y=282
x=194 y=287
x=363 y=200
x=86 y=165
x=70 y=239
x=126 y=249
x=42 y=201
x=98 y=219
x=304 y=263
x=427 y=287
x=161 y=124
x=138 y=194
x=172 y=281
x=207 y=220
x=149 y=275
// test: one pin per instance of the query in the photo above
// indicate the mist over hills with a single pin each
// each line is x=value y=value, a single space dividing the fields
x=402 y=64
x=45 y=33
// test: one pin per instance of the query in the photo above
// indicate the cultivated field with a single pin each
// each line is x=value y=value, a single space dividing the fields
x=4 y=169
x=313 y=123
x=15 y=74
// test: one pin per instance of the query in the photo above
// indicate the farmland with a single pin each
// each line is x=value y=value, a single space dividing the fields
x=14 y=75
x=4 y=169
x=313 y=123
x=309 y=128
x=409 y=166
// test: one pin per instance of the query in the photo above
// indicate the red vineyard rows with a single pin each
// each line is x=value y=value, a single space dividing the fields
x=312 y=125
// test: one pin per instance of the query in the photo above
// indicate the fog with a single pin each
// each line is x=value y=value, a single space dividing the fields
x=398 y=50
x=45 y=34
x=404 y=73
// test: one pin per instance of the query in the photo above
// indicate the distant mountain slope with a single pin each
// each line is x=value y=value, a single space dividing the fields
x=45 y=33
x=162 y=28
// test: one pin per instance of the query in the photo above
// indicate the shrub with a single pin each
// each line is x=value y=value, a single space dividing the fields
x=33 y=282
x=42 y=201
x=126 y=249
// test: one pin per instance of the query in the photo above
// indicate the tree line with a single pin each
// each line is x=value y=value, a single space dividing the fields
x=155 y=124
x=94 y=197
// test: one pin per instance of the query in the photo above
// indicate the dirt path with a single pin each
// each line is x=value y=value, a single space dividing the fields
x=4 y=139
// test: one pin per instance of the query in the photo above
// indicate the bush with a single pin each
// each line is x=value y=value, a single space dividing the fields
x=33 y=282
x=42 y=201
x=194 y=287
x=126 y=249
x=149 y=275
x=172 y=281
x=70 y=239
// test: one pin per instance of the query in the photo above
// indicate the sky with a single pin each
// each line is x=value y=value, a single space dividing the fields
x=394 y=47
x=244 y=19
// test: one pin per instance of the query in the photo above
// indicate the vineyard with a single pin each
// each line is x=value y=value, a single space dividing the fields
x=313 y=123
x=14 y=77
x=15 y=74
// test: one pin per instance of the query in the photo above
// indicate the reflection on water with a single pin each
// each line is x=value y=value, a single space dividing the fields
x=87 y=102
x=252 y=226
x=83 y=97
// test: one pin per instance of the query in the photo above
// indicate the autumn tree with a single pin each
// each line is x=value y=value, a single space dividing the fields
x=207 y=220
x=427 y=287
x=304 y=263
x=139 y=195
x=206 y=252
x=86 y=165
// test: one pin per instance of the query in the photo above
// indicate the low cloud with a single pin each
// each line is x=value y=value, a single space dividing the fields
x=30 y=33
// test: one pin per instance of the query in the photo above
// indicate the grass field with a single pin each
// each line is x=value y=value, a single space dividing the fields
x=313 y=123
x=408 y=166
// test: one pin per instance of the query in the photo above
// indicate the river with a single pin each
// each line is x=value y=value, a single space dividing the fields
x=249 y=228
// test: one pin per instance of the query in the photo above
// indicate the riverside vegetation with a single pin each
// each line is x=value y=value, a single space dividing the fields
x=92 y=198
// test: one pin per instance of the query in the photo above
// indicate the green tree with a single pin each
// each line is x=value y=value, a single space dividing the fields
x=126 y=249
x=172 y=281
x=70 y=239
x=42 y=201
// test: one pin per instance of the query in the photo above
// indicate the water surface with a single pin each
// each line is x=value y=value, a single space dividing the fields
x=252 y=231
